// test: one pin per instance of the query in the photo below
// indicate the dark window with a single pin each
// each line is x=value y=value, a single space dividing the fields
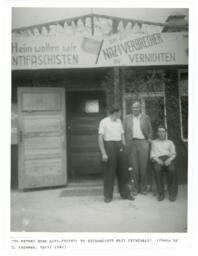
x=184 y=116
x=183 y=94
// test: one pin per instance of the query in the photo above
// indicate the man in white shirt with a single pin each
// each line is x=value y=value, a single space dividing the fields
x=163 y=154
x=138 y=132
x=111 y=142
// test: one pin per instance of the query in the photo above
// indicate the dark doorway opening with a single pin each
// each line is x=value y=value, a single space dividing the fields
x=84 y=110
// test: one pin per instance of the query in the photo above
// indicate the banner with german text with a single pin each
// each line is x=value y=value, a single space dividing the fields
x=62 y=52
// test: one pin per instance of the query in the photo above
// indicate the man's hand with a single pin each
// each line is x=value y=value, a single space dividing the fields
x=104 y=157
x=167 y=162
x=159 y=161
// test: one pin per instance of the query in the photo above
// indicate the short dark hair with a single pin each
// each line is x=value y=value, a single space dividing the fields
x=136 y=101
x=114 y=108
x=162 y=126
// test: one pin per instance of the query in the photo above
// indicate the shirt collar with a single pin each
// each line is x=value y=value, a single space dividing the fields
x=137 y=117
x=117 y=120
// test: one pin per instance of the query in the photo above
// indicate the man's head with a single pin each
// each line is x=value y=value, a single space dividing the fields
x=115 y=112
x=161 y=131
x=136 y=108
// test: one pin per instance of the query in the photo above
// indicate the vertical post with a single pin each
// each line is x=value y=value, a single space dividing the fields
x=115 y=25
x=164 y=97
x=123 y=85
x=92 y=24
x=116 y=83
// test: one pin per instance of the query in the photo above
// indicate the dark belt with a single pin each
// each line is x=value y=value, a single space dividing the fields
x=112 y=141
x=138 y=139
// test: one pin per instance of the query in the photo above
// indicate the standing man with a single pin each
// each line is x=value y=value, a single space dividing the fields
x=163 y=154
x=112 y=147
x=138 y=137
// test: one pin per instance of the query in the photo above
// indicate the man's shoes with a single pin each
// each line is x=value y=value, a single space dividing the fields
x=172 y=198
x=144 y=192
x=160 y=197
x=128 y=197
x=135 y=192
x=107 y=200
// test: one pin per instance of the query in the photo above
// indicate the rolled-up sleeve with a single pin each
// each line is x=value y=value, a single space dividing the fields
x=101 y=129
x=172 y=149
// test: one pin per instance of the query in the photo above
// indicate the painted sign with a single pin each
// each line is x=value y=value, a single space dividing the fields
x=61 y=51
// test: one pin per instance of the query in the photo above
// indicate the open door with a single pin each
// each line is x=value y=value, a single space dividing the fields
x=41 y=140
x=85 y=109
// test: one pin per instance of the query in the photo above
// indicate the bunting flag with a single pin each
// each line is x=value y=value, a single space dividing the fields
x=91 y=45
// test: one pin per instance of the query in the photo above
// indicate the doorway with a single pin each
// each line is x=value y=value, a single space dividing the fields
x=84 y=110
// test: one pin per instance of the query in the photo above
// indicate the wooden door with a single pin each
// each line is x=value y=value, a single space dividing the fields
x=41 y=140
x=85 y=109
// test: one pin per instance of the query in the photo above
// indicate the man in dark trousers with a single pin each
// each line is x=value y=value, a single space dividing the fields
x=138 y=132
x=163 y=154
x=112 y=147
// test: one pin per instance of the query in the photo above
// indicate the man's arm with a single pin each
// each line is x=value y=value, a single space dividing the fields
x=157 y=160
x=172 y=154
x=102 y=148
x=123 y=139
x=153 y=154
x=125 y=123
x=126 y=129
x=169 y=160
x=122 y=135
x=150 y=130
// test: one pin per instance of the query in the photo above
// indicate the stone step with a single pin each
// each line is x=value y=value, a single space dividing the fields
x=84 y=184
x=85 y=188
x=82 y=191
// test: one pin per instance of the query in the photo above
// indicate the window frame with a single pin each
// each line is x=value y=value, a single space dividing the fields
x=180 y=71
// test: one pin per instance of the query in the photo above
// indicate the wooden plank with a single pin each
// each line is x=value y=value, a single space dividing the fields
x=41 y=101
x=85 y=149
x=84 y=127
x=42 y=142
x=42 y=134
x=76 y=132
x=42 y=154
x=94 y=159
x=47 y=123
x=43 y=167
x=86 y=118
x=86 y=140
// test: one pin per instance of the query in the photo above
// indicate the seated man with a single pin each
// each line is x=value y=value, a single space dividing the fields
x=162 y=155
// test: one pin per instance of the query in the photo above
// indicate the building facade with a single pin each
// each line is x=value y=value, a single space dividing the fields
x=56 y=110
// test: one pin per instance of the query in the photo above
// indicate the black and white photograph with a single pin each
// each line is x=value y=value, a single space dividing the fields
x=99 y=120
